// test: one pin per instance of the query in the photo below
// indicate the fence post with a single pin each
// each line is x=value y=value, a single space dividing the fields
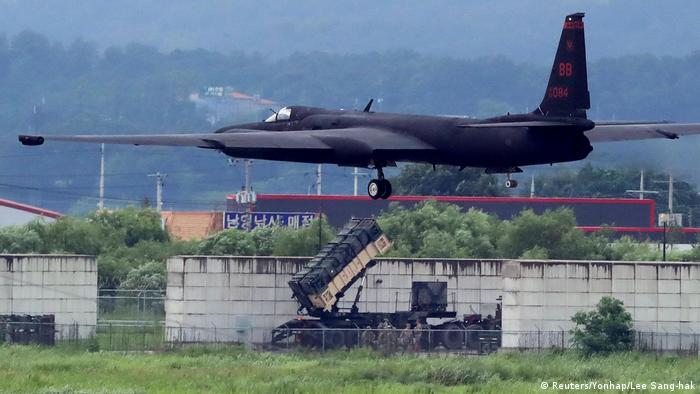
x=465 y=340
x=323 y=340
x=430 y=341
x=562 y=339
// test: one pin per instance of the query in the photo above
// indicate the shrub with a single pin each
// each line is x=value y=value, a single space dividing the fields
x=606 y=329
x=149 y=276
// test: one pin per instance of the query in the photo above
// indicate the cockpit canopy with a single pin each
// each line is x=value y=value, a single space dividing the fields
x=281 y=115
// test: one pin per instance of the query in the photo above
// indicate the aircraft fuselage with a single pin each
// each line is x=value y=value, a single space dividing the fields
x=455 y=142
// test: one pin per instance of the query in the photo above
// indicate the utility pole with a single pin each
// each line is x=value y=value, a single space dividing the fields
x=320 y=229
x=247 y=194
x=101 y=201
x=641 y=190
x=663 y=258
x=670 y=192
x=159 y=189
x=318 y=180
x=356 y=174
x=354 y=185
x=248 y=167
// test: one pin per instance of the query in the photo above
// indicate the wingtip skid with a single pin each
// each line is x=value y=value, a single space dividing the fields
x=31 y=140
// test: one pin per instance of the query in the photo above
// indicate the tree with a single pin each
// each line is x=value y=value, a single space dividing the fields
x=149 y=276
x=590 y=181
x=131 y=225
x=606 y=329
x=114 y=265
x=71 y=235
x=19 y=240
x=266 y=241
x=433 y=229
x=551 y=235
x=303 y=242
x=228 y=242
x=122 y=240
x=77 y=88
x=421 y=179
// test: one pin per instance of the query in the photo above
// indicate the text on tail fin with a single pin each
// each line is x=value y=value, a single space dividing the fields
x=567 y=91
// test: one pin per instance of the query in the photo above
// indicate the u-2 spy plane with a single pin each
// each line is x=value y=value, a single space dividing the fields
x=557 y=131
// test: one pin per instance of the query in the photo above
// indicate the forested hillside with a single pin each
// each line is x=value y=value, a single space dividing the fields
x=525 y=30
x=50 y=87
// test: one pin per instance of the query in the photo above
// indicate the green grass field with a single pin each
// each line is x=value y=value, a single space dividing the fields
x=194 y=370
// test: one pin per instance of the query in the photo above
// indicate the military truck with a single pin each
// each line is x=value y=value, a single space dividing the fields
x=324 y=280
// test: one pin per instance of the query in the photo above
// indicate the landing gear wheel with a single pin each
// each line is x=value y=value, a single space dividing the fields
x=375 y=189
x=511 y=183
x=380 y=187
x=386 y=189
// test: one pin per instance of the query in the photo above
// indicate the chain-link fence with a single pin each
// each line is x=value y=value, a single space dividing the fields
x=131 y=305
x=142 y=336
x=392 y=340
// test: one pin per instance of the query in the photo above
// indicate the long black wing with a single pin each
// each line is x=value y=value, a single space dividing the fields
x=271 y=145
x=626 y=131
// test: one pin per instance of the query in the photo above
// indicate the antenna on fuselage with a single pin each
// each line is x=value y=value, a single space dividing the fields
x=368 y=106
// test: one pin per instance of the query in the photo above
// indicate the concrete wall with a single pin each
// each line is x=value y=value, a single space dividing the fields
x=663 y=298
x=243 y=298
x=64 y=286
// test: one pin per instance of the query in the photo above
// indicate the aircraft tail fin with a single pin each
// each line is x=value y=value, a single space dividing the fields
x=567 y=91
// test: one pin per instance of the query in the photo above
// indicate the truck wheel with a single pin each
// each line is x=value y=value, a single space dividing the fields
x=335 y=339
x=453 y=337
x=311 y=336
x=353 y=338
x=472 y=336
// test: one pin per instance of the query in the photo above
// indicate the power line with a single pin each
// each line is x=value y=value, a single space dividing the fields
x=92 y=196
x=193 y=171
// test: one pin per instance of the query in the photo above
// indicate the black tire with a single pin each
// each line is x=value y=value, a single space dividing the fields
x=472 y=336
x=311 y=337
x=386 y=189
x=453 y=337
x=375 y=189
x=353 y=338
x=334 y=339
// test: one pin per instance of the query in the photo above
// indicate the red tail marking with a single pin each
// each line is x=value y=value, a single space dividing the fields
x=575 y=25
x=558 y=92
x=565 y=69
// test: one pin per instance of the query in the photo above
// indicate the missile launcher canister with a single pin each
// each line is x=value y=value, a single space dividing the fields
x=326 y=277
